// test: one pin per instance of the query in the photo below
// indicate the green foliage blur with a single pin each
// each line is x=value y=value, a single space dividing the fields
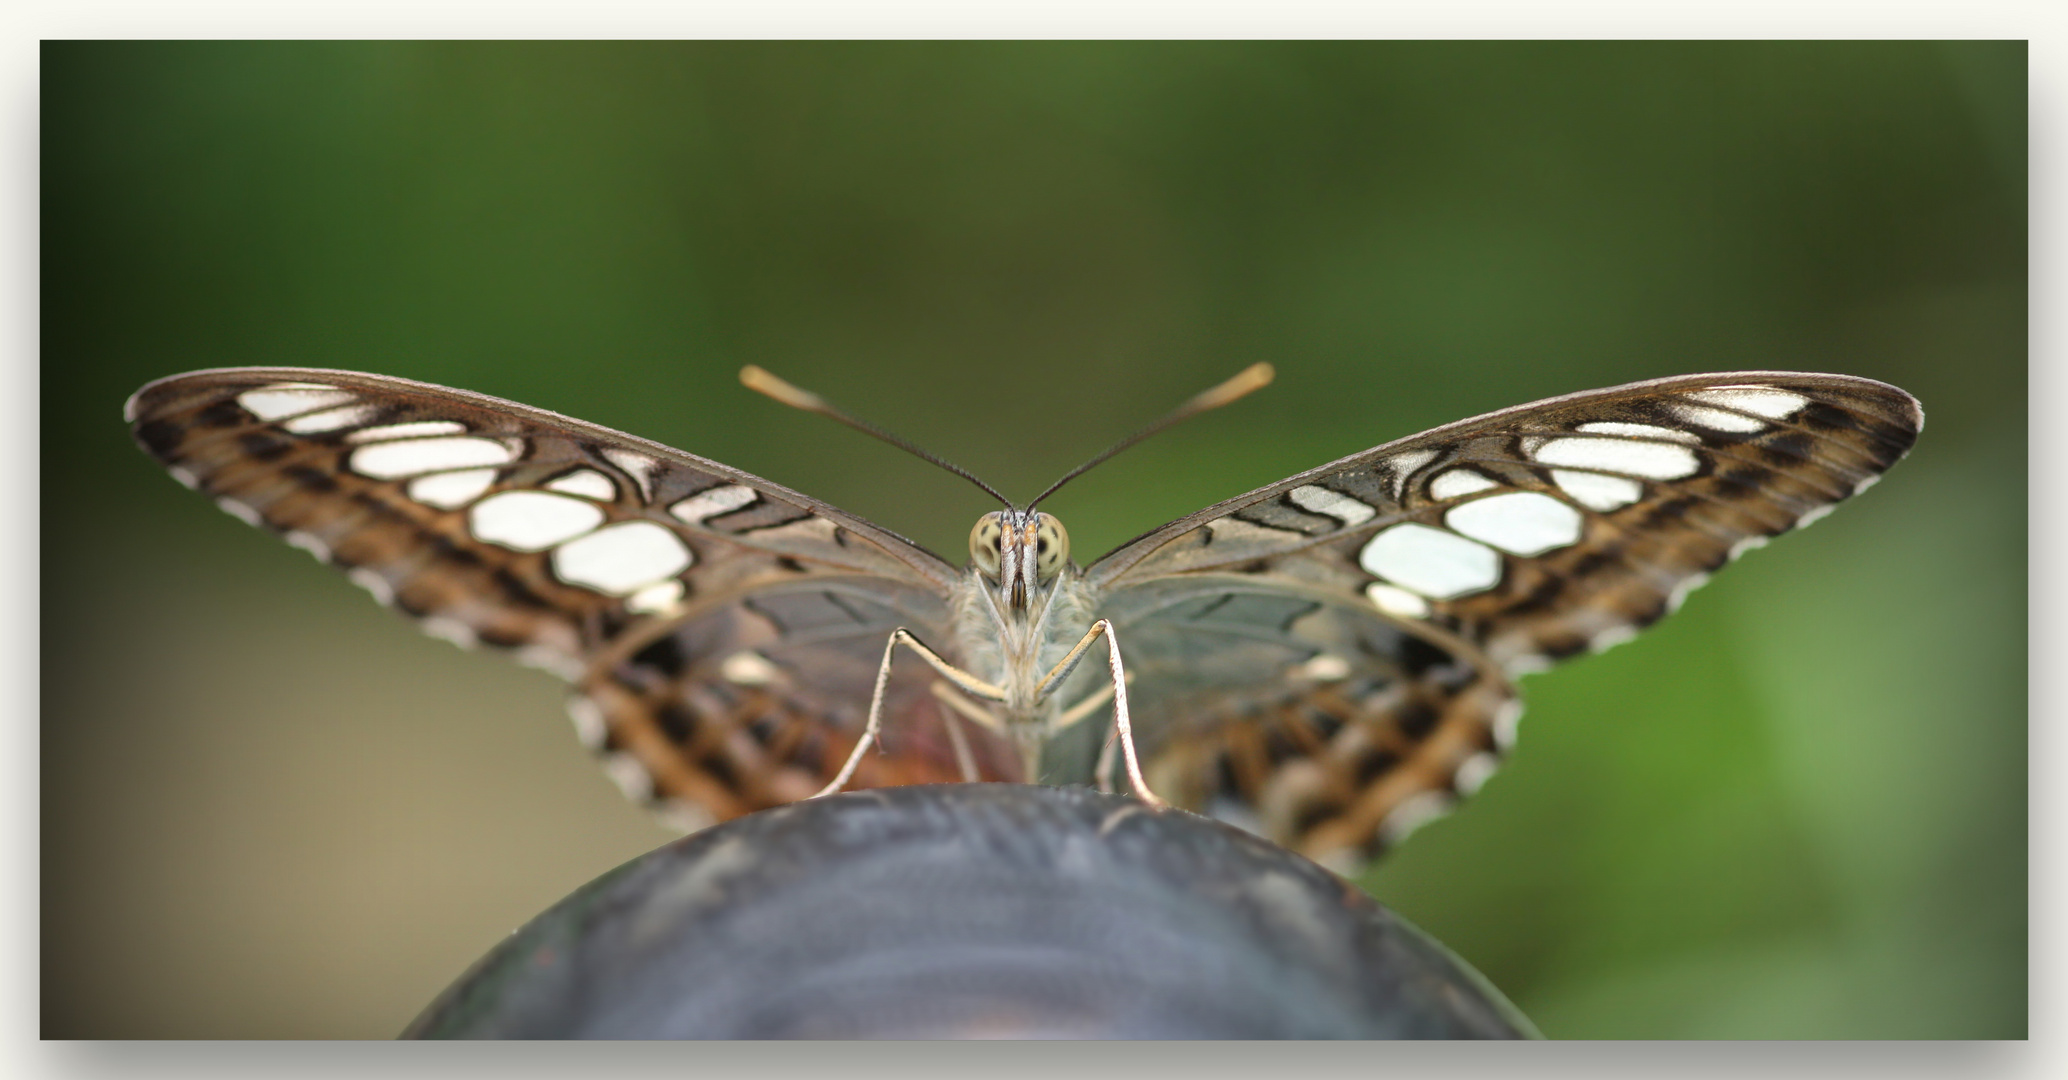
x=1795 y=809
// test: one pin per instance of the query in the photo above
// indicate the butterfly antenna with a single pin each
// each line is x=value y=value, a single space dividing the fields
x=760 y=381
x=1252 y=378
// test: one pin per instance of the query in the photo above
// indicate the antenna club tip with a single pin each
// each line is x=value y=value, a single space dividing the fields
x=1250 y=379
x=761 y=381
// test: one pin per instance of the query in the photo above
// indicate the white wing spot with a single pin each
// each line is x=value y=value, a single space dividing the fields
x=708 y=504
x=658 y=598
x=1334 y=504
x=241 y=512
x=1656 y=461
x=637 y=466
x=1473 y=772
x=288 y=399
x=1457 y=483
x=1414 y=812
x=317 y=423
x=589 y=725
x=450 y=629
x=1396 y=601
x=1325 y=667
x=531 y=520
x=1814 y=514
x=1522 y=522
x=1758 y=400
x=630 y=776
x=373 y=582
x=1867 y=483
x=1507 y=723
x=452 y=490
x=1528 y=663
x=414 y=430
x=1717 y=419
x=1679 y=594
x=1437 y=564
x=1641 y=431
x=685 y=817
x=1596 y=491
x=552 y=661
x=621 y=559
x=1403 y=466
x=748 y=668
x=588 y=483
x=408 y=457
x=1750 y=543
x=186 y=478
x=308 y=543
x=1611 y=637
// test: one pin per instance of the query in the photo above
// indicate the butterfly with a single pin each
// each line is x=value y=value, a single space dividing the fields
x=1329 y=661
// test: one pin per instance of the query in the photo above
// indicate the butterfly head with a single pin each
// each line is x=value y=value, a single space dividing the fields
x=1019 y=552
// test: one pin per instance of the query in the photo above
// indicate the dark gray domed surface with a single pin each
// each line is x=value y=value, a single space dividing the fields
x=970 y=910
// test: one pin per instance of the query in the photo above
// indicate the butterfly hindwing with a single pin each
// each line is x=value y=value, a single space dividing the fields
x=709 y=714
x=1295 y=709
x=1492 y=547
x=723 y=631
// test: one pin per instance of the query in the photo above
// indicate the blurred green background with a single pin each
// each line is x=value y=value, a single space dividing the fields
x=1795 y=809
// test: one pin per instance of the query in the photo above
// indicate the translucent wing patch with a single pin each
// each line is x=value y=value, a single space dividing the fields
x=712 y=619
x=1509 y=542
x=1304 y=715
x=757 y=702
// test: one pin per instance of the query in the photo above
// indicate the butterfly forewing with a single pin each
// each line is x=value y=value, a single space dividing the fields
x=722 y=630
x=1435 y=569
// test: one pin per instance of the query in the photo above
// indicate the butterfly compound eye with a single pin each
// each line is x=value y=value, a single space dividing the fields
x=983 y=544
x=1051 y=547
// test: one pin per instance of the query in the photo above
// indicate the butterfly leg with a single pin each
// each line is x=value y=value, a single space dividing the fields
x=963 y=681
x=958 y=707
x=1062 y=670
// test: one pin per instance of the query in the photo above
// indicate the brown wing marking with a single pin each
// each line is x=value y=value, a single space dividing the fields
x=1341 y=770
x=711 y=716
x=1634 y=565
x=413 y=555
x=1646 y=489
x=277 y=446
x=1287 y=705
x=1751 y=476
x=742 y=685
